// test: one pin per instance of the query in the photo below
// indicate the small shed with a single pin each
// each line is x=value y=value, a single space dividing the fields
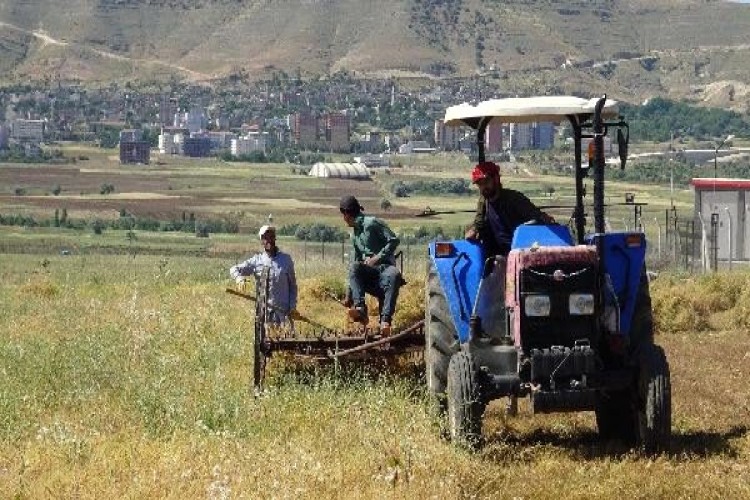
x=340 y=171
x=727 y=203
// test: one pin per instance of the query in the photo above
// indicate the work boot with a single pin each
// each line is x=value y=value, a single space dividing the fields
x=358 y=314
x=385 y=329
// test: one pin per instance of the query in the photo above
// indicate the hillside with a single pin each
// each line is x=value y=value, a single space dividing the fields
x=677 y=48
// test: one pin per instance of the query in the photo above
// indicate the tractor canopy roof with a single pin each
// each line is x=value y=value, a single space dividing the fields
x=526 y=109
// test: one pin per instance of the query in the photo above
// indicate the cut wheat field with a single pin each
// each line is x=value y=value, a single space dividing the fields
x=128 y=377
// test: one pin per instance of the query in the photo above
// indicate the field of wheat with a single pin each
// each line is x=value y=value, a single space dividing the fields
x=126 y=376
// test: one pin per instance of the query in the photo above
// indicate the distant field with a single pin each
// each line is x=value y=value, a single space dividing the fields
x=129 y=377
x=210 y=188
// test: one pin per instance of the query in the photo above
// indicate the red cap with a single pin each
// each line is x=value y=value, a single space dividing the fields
x=484 y=170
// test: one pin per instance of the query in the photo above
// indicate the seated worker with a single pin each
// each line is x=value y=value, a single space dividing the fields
x=373 y=266
x=283 y=282
x=499 y=211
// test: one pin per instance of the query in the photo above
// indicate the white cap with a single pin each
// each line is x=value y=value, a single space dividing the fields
x=265 y=228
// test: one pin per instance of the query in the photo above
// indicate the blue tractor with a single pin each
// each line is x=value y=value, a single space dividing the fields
x=564 y=319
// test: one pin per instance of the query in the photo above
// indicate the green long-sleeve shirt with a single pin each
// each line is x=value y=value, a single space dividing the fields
x=373 y=237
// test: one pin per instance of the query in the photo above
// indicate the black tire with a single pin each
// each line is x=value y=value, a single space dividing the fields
x=464 y=402
x=642 y=325
x=654 y=400
x=441 y=338
x=617 y=412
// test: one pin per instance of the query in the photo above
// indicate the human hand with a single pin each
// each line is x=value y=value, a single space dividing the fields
x=548 y=219
x=348 y=302
x=372 y=261
x=471 y=234
x=241 y=282
x=294 y=314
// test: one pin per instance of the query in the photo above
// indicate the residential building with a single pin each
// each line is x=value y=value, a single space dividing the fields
x=521 y=136
x=131 y=135
x=27 y=130
x=167 y=110
x=544 y=135
x=446 y=137
x=304 y=129
x=4 y=136
x=221 y=140
x=493 y=138
x=195 y=120
x=135 y=152
x=337 y=132
x=249 y=143
x=168 y=145
x=196 y=147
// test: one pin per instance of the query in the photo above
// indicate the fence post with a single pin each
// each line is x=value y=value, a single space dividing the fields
x=729 y=236
x=408 y=250
x=715 y=241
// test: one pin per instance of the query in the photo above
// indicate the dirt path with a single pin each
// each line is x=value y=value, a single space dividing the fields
x=46 y=39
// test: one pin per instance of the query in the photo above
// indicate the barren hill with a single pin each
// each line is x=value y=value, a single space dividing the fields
x=682 y=48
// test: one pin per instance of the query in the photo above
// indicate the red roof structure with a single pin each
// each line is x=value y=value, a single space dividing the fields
x=721 y=184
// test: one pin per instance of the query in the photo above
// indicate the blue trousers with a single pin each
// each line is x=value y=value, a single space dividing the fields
x=381 y=281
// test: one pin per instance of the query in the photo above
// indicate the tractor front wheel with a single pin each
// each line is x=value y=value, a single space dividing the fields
x=464 y=401
x=441 y=338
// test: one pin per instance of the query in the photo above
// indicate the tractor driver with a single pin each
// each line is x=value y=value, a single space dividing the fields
x=283 y=282
x=373 y=265
x=499 y=211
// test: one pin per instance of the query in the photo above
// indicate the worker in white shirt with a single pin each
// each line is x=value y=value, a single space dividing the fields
x=283 y=282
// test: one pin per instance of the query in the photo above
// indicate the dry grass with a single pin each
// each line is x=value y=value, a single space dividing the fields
x=129 y=378
x=713 y=302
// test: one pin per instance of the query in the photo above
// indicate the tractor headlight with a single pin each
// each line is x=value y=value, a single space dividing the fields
x=537 y=305
x=580 y=304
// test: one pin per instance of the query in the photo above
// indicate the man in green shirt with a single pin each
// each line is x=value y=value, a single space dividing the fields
x=373 y=265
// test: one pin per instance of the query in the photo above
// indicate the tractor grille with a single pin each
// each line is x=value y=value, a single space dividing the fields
x=560 y=327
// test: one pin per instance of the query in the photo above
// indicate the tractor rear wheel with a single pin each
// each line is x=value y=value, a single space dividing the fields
x=464 y=401
x=654 y=400
x=441 y=338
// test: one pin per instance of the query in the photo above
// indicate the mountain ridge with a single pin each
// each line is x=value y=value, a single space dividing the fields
x=677 y=48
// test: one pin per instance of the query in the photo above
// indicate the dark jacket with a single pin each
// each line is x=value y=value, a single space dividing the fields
x=514 y=209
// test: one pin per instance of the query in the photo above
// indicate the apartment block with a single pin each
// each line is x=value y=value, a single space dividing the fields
x=135 y=152
x=304 y=129
x=337 y=132
x=27 y=130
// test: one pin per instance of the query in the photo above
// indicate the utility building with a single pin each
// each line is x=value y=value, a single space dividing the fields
x=723 y=208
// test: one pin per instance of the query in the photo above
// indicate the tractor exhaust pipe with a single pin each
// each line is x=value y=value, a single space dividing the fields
x=599 y=131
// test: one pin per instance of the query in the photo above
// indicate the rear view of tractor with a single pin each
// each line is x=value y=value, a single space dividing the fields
x=564 y=319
